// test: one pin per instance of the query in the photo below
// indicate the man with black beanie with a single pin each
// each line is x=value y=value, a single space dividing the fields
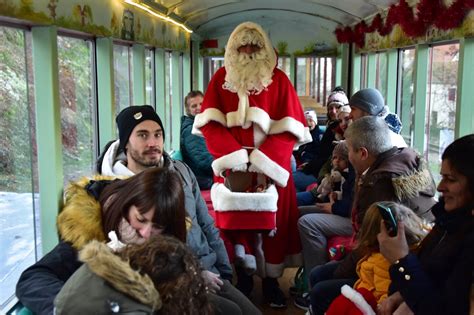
x=140 y=146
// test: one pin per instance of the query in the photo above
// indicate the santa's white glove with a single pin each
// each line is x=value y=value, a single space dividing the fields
x=240 y=167
x=212 y=281
x=253 y=168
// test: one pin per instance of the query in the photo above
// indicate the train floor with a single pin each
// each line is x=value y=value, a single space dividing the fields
x=286 y=281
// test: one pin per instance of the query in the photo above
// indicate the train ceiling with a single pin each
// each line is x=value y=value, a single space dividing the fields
x=214 y=18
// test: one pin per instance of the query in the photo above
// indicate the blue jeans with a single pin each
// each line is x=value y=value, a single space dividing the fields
x=302 y=180
x=324 y=288
x=305 y=198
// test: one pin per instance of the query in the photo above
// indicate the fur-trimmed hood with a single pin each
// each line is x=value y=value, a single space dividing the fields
x=80 y=220
x=108 y=283
x=399 y=175
x=408 y=171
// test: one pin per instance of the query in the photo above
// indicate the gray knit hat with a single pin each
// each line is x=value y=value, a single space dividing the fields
x=341 y=150
x=369 y=100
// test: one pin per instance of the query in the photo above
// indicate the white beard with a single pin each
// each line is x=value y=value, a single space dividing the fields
x=248 y=73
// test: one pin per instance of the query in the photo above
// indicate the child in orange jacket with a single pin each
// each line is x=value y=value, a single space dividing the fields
x=372 y=269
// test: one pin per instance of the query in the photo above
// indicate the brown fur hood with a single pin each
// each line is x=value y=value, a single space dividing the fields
x=80 y=220
x=106 y=284
x=104 y=263
x=408 y=170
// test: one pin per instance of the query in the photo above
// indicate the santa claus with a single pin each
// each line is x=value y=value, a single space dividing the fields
x=252 y=120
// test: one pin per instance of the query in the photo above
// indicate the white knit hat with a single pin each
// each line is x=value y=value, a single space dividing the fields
x=337 y=98
x=312 y=115
x=344 y=109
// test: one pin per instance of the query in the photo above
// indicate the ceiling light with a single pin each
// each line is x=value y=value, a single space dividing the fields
x=156 y=12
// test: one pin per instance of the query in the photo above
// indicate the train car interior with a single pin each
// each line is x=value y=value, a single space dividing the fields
x=67 y=68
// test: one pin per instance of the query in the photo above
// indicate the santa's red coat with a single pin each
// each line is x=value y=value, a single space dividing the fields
x=272 y=125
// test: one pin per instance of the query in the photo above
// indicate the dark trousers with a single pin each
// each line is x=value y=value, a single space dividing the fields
x=230 y=301
x=324 y=288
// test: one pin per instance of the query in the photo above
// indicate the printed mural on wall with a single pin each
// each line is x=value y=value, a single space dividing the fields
x=101 y=18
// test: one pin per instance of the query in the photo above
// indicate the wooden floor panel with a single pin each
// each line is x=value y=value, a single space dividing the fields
x=285 y=283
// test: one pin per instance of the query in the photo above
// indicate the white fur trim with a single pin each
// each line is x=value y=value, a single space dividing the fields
x=258 y=116
x=225 y=200
x=269 y=167
x=307 y=138
x=291 y=125
x=261 y=118
x=229 y=161
x=358 y=300
x=202 y=119
x=258 y=135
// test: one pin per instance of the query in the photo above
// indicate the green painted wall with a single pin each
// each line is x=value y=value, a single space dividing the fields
x=465 y=92
x=48 y=130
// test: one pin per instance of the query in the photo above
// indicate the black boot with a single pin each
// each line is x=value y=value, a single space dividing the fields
x=244 y=281
x=272 y=293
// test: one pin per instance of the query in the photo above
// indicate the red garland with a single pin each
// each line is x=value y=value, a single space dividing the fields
x=376 y=24
x=452 y=17
x=390 y=21
x=359 y=33
x=428 y=12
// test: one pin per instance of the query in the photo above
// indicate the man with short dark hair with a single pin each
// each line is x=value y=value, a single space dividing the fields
x=140 y=146
x=193 y=148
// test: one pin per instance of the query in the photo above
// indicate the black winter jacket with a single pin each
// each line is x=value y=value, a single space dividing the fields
x=437 y=280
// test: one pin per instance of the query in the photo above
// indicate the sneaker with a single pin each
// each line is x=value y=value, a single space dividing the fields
x=302 y=301
x=272 y=293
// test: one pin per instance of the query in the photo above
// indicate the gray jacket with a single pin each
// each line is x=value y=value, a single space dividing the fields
x=203 y=238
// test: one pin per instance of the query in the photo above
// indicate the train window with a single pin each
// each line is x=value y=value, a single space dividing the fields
x=19 y=198
x=327 y=78
x=406 y=106
x=214 y=63
x=123 y=76
x=76 y=94
x=441 y=102
x=150 y=76
x=168 y=98
x=381 y=73
x=284 y=65
x=181 y=85
x=363 y=71
x=315 y=77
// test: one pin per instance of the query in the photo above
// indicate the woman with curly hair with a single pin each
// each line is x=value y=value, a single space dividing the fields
x=160 y=276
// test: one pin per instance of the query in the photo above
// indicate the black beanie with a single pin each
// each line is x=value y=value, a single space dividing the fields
x=131 y=116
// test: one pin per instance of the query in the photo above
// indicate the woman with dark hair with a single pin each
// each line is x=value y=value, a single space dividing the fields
x=154 y=204
x=437 y=278
x=136 y=208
